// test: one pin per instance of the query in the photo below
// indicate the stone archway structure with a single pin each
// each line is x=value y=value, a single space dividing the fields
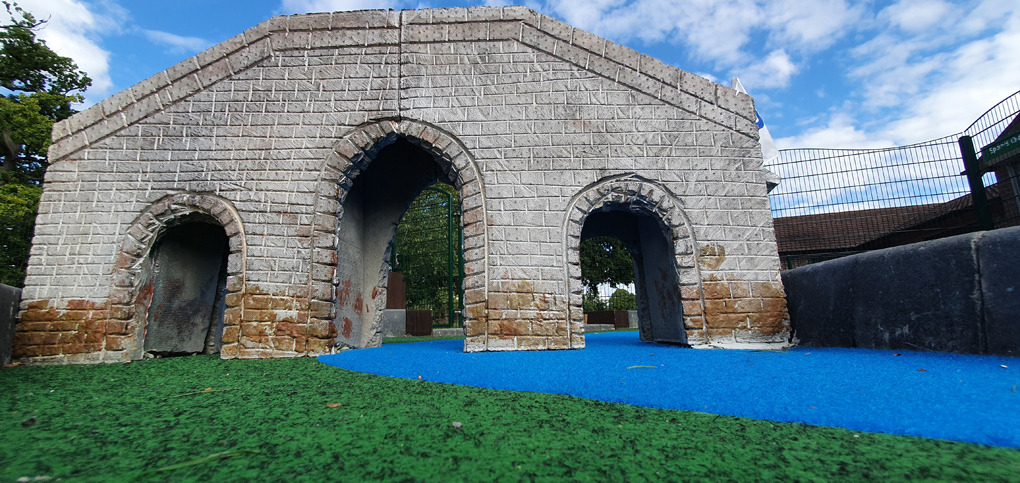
x=537 y=123
x=632 y=193
x=128 y=302
x=350 y=157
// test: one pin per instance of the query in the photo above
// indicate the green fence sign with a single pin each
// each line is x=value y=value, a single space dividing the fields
x=1000 y=147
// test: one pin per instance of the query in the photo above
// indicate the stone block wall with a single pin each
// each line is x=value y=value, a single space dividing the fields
x=536 y=123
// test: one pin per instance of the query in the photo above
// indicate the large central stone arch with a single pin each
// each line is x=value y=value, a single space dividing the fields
x=350 y=157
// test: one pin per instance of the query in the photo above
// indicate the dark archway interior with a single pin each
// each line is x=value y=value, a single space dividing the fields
x=188 y=279
x=656 y=281
x=378 y=198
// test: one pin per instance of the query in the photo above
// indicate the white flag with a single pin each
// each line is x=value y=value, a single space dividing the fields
x=769 y=152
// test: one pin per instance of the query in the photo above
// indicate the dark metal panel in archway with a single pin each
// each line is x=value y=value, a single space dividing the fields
x=188 y=279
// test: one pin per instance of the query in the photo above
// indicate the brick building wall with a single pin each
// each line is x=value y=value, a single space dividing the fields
x=539 y=125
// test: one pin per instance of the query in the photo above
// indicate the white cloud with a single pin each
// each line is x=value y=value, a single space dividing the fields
x=73 y=30
x=839 y=132
x=916 y=15
x=809 y=25
x=311 y=6
x=923 y=76
x=773 y=71
x=715 y=30
x=175 y=43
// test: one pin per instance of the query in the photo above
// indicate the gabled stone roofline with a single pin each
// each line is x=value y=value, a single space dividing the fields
x=697 y=95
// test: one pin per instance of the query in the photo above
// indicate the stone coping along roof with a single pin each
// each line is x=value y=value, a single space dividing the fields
x=692 y=93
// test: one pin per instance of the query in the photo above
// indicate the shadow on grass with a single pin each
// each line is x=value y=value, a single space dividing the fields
x=203 y=419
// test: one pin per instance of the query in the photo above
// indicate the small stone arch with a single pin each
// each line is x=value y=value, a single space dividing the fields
x=637 y=194
x=131 y=294
x=350 y=157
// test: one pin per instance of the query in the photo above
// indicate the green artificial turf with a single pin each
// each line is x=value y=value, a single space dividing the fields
x=202 y=419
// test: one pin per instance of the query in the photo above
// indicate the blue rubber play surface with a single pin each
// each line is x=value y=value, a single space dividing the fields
x=945 y=396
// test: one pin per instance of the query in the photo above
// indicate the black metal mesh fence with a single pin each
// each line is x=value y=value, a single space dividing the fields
x=427 y=250
x=837 y=202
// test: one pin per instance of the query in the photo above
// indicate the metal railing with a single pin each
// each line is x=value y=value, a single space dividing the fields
x=837 y=202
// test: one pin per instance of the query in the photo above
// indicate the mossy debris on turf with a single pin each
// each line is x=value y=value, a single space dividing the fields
x=300 y=420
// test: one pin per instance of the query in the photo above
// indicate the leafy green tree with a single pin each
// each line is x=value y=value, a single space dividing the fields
x=603 y=260
x=18 y=204
x=591 y=302
x=40 y=87
x=37 y=89
x=622 y=300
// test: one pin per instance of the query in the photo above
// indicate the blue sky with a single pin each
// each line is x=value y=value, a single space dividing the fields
x=824 y=73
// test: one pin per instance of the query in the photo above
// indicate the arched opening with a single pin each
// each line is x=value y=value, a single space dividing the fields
x=377 y=199
x=656 y=278
x=187 y=269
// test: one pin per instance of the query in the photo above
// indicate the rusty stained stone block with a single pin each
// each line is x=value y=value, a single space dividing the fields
x=317 y=346
x=254 y=329
x=283 y=343
x=255 y=343
x=288 y=329
x=25 y=351
x=320 y=309
x=117 y=342
x=319 y=328
x=119 y=327
x=740 y=289
x=301 y=345
x=717 y=290
x=232 y=316
x=39 y=315
x=233 y=299
x=230 y=334
x=729 y=321
x=692 y=307
x=474 y=328
x=33 y=327
x=532 y=343
x=256 y=302
x=768 y=290
x=38 y=305
x=121 y=312
x=690 y=292
x=694 y=322
x=510 y=327
x=731 y=306
x=48 y=350
x=228 y=351
x=773 y=304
